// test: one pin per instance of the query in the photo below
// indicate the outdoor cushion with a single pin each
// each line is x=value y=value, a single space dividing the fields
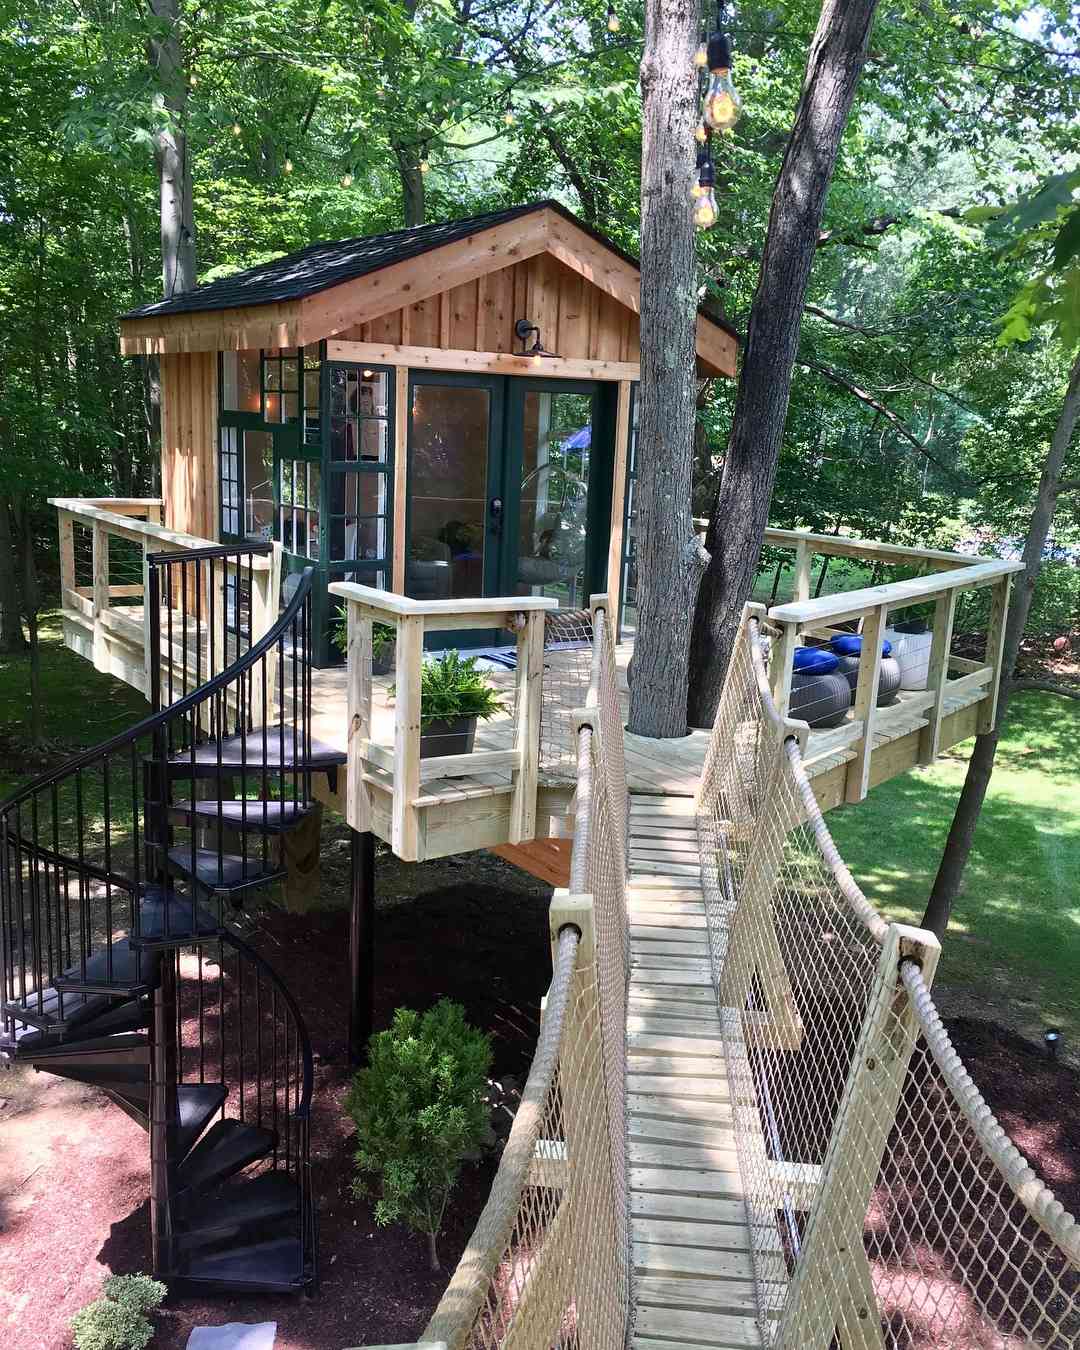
x=814 y=661
x=850 y=644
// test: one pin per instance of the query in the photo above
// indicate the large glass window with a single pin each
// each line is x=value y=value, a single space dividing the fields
x=258 y=485
x=240 y=382
x=556 y=446
x=230 y=480
x=448 y=492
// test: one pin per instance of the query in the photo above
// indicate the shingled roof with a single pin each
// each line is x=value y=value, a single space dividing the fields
x=322 y=266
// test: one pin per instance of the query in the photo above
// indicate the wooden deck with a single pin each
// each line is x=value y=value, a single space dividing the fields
x=691 y=1241
x=671 y=767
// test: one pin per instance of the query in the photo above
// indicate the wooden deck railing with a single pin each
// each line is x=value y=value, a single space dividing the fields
x=418 y=805
x=104 y=543
x=951 y=678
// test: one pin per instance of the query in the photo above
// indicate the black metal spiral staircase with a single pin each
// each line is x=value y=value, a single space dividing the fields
x=120 y=875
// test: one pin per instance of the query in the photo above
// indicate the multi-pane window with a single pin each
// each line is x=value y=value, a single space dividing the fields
x=298 y=510
x=230 y=480
x=281 y=384
x=359 y=415
x=359 y=485
x=312 y=375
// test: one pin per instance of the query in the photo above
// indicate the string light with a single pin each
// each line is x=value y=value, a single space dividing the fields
x=346 y=180
x=287 y=167
x=701 y=135
x=722 y=102
x=706 y=209
x=613 y=23
x=701 y=57
x=508 y=115
x=425 y=167
x=237 y=129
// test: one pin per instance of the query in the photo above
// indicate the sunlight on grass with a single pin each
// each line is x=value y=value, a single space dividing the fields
x=1015 y=923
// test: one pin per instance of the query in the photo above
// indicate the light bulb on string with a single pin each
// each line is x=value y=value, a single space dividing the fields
x=508 y=115
x=424 y=166
x=722 y=102
x=287 y=167
x=613 y=23
x=346 y=180
x=701 y=57
x=701 y=134
x=706 y=209
x=237 y=129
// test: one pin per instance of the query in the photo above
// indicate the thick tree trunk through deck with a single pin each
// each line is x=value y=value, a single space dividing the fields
x=981 y=765
x=171 y=154
x=670 y=560
x=740 y=514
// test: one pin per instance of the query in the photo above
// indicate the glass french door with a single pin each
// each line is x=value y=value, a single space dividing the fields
x=509 y=488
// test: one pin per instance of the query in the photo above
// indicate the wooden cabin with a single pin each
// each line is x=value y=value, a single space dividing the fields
x=445 y=412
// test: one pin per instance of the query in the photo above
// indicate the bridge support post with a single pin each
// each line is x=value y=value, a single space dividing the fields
x=361 y=942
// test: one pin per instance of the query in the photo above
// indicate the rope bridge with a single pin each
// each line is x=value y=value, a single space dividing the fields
x=875 y=1202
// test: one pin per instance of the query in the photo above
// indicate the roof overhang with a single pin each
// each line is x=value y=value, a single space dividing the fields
x=325 y=314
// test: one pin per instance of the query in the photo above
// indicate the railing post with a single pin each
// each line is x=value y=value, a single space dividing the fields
x=67 y=556
x=265 y=589
x=995 y=649
x=802 y=570
x=937 y=675
x=831 y=1291
x=781 y=666
x=100 y=594
x=527 y=707
x=358 y=707
x=410 y=657
x=866 y=691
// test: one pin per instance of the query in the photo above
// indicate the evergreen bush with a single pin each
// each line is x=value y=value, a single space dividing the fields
x=117 y=1320
x=419 y=1110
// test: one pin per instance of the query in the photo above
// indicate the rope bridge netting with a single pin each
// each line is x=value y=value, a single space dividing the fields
x=888 y=1208
x=548 y=1262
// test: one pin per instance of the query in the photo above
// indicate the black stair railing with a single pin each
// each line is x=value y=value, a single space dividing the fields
x=120 y=869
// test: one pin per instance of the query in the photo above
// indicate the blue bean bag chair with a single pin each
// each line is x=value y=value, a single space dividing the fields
x=848 y=650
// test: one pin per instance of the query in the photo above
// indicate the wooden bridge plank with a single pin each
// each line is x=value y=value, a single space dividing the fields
x=677 y=1181
x=654 y=1259
x=689 y=1211
x=717 y=1237
x=695 y=1328
x=701 y=1110
x=734 y=1296
x=659 y=1043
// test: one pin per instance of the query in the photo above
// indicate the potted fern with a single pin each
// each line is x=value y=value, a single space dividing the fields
x=454 y=696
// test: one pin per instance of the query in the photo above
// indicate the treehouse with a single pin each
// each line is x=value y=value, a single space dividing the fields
x=443 y=412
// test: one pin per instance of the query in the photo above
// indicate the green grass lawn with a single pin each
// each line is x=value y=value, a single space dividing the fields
x=81 y=707
x=1015 y=933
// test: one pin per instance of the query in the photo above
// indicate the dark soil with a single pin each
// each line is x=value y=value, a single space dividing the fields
x=74 y=1170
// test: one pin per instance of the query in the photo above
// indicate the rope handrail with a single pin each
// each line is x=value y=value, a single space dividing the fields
x=460 y=1305
x=915 y=1194
x=1036 y=1197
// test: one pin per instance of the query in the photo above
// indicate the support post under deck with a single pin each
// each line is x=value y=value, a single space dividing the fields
x=361 y=942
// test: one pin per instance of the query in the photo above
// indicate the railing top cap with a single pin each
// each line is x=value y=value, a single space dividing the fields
x=403 y=607
x=895 y=594
x=94 y=510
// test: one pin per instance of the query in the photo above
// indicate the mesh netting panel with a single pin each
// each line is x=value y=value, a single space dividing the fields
x=887 y=1207
x=548 y=1262
x=568 y=640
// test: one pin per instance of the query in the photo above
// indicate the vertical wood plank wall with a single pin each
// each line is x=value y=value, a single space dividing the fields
x=189 y=442
x=576 y=319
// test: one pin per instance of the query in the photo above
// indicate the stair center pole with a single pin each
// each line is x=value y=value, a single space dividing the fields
x=164 y=1114
x=361 y=942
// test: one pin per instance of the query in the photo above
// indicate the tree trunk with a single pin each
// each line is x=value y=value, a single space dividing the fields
x=31 y=604
x=670 y=559
x=412 y=185
x=171 y=154
x=11 y=633
x=740 y=512
x=981 y=765
x=433 y=1251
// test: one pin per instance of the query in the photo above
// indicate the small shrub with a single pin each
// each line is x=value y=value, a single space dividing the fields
x=116 y=1320
x=419 y=1110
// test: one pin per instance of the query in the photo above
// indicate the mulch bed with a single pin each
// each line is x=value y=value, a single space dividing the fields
x=485 y=946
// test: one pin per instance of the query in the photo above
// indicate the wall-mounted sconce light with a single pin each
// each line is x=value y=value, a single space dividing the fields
x=537 y=351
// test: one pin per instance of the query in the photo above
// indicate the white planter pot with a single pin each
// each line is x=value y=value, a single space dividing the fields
x=912 y=651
